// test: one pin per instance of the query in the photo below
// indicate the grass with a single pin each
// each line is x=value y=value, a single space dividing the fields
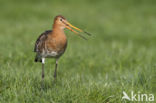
x=120 y=56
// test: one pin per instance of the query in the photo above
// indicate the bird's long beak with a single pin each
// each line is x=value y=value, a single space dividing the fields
x=71 y=27
x=68 y=27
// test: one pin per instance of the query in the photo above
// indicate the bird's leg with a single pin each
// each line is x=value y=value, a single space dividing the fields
x=55 y=72
x=43 y=62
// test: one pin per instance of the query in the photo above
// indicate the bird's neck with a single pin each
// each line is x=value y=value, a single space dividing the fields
x=59 y=35
x=57 y=30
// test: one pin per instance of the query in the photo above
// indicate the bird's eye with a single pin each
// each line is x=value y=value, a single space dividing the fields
x=60 y=19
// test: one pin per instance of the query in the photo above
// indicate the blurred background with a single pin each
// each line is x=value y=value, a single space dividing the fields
x=119 y=56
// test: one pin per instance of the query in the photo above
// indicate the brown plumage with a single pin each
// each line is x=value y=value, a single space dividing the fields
x=53 y=43
x=40 y=43
x=49 y=45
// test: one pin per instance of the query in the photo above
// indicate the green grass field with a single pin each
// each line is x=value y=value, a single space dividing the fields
x=120 y=56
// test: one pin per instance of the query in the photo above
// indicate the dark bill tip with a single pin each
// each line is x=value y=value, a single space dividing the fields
x=82 y=37
x=87 y=33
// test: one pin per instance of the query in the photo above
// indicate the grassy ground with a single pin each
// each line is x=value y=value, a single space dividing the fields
x=120 y=56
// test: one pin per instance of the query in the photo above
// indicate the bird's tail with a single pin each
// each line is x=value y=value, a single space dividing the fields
x=37 y=59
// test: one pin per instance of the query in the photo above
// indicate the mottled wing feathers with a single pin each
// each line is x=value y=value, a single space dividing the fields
x=41 y=40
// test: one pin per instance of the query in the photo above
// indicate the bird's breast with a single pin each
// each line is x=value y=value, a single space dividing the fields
x=55 y=46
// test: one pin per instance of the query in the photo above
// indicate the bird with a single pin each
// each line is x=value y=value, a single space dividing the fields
x=53 y=43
